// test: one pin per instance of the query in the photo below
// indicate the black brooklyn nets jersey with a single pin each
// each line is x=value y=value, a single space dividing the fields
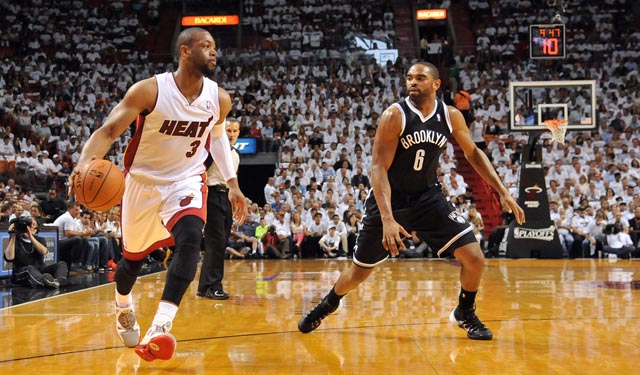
x=421 y=142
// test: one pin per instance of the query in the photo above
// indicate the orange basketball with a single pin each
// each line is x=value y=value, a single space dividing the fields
x=100 y=187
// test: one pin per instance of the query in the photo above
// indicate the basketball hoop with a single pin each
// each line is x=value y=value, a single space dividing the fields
x=558 y=129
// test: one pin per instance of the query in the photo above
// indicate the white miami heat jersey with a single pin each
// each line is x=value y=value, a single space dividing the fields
x=171 y=142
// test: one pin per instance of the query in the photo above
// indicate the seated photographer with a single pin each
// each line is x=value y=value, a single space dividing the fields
x=617 y=242
x=26 y=252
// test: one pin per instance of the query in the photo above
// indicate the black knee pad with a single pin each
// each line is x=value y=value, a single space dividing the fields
x=188 y=230
x=187 y=234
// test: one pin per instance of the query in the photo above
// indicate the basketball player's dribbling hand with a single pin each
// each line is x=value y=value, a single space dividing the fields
x=77 y=170
x=393 y=235
x=238 y=205
x=510 y=204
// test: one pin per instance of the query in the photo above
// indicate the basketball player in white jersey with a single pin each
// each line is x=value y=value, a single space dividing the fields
x=180 y=120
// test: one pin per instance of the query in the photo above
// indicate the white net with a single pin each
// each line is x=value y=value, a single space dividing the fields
x=558 y=129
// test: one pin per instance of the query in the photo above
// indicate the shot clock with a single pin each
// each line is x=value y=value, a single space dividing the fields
x=547 y=41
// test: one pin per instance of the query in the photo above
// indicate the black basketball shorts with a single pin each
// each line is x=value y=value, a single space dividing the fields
x=434 y=219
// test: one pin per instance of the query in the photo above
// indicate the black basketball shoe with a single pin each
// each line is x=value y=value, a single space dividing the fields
x=312 y=319
x=467 y=320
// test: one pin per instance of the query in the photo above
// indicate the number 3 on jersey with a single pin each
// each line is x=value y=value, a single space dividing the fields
x=419 y=161
x=194 y=147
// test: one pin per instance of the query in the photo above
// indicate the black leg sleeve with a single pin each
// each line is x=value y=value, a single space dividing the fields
x=126 y=275
x=187 y=234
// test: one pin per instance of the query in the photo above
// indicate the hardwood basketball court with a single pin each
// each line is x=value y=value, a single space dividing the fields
x=548 y=317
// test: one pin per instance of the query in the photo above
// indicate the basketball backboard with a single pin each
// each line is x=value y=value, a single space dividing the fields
x=533 y=102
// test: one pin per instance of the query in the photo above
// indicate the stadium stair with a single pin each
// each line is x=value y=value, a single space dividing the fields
x=405 y=28
x=161 y=39
x=485 y=198
x=464 y=39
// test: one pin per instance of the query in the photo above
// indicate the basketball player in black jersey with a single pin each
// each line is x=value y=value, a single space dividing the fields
x=406 y=196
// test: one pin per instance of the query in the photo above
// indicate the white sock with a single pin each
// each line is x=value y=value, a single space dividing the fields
x=166 y=313
x=123 y=300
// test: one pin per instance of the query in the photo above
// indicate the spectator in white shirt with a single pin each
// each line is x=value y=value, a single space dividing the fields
x=580 y=224
x=446 y=163
x=617 y=241
x=7 y=151
x=330 y=242
x=269 y=190
x=341 y=231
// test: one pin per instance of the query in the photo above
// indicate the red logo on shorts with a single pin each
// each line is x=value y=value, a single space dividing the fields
x=185 y=201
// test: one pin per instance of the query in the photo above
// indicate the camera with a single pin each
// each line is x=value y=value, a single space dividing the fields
x=21 y=224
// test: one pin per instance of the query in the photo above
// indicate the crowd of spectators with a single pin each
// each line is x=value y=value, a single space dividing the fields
x=319 y=109
x=304 y=28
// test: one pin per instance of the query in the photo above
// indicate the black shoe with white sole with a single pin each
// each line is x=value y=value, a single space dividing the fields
x=469 y=321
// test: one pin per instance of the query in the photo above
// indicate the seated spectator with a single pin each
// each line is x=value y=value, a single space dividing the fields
x=114 y=233
x=73 y=246
x=493 y=127
x=634 y=227
x=342 y=233
x=261 y=231
x=580 y=224
x=36 y=213
x=283 y=230
x=315 y=230
x=231 y=253
x=353 y=228
x=330 y=243
x=246 y=233
x=236 y=244
x=563 y=225
x=415 y=247
x=297 y=232
x=97 y=240
x=272 y=244
x=359 y=178
x=53 y=206
x=617 y=241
